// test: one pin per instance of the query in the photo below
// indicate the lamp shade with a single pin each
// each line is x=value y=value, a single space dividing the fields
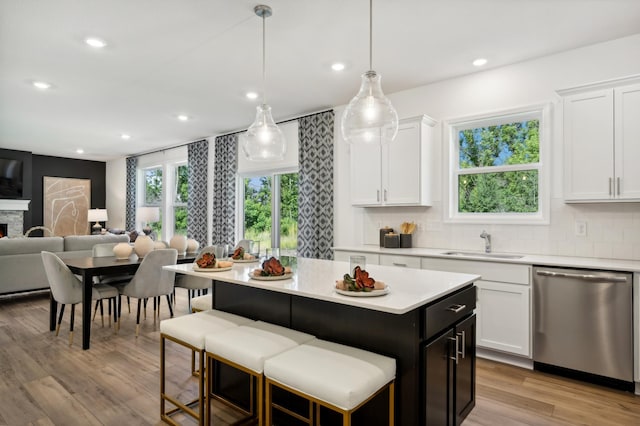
x=97 y=215
x=264 y=141
x=148 y=214
x=369 y=118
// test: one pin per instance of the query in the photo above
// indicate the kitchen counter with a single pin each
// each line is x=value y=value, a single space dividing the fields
x=526 y=259
x=315 y=279
x=422 y=306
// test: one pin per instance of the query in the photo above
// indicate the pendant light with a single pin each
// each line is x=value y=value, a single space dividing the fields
x=264 y=140
x=370 y=118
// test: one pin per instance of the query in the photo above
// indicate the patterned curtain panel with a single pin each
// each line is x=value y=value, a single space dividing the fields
x=315 y=179
x=197 y=191
x=225 y=166
x=130 y=218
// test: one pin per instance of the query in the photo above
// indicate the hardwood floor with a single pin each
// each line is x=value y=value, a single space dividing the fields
x=43 y=381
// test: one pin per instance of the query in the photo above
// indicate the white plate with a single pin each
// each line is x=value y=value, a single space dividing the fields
x=271 y=277
x=199 y=269
x=372 y=293
x=243 y=260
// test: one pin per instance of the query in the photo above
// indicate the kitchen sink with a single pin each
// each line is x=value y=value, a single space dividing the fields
x=479 y=254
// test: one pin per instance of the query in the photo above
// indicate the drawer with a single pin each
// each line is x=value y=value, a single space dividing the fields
x=490 y=271
x=400 y=261
x=343 y=256
x=446 y=312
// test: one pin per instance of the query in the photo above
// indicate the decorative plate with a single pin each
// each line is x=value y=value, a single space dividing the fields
x=271 y=277
x=243 y=260
x=199 y=269
x=372 y=293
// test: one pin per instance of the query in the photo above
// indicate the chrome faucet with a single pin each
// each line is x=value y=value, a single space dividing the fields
x=487 y=241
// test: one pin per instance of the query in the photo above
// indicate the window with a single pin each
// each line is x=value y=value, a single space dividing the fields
x=496 y=168
x=163 y=184
x=270 y=211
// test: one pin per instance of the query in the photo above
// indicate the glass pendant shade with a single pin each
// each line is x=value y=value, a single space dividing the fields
x=369 y=118
x=264 y=140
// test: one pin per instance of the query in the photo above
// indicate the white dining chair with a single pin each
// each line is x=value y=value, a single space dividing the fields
x=66 y=289
x=193 y=284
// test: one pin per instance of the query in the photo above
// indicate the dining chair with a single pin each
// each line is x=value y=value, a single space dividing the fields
x=106 y=250
x=150 y=280
x=193 y=284
x=66 y=289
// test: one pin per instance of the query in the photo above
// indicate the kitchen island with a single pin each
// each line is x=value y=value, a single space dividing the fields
x=417 y=323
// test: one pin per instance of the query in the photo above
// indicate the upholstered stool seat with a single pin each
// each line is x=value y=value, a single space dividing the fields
x=201 y=303
x=246 y=348
x=328 y=374
x=190 y=331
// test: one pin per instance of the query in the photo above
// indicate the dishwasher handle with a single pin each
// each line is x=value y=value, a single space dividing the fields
x=586 y=277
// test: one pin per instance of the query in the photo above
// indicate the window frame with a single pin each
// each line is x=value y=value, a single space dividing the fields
x=275 y=201
x=451 y=129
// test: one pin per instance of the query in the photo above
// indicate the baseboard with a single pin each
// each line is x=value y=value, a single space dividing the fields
x=518 y=361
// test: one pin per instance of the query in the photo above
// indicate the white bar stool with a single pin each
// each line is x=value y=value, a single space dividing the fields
x=246 y=348
x=190 y=331
x=202 y=303
x=328 y=374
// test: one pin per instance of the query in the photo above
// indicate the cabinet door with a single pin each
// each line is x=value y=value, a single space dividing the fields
x=465 y=381
x=366 y=175
x=439 y=380
x=504 y=317
x=588 y=142
x=627 y=142
x=401 y=168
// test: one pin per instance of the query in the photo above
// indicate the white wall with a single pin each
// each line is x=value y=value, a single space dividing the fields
x=613 y=230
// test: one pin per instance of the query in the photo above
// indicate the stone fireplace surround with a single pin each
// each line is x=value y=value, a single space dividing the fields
x=12 y=213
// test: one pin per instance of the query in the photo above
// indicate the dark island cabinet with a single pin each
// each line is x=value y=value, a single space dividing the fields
x=449 y=358
x=450 y=368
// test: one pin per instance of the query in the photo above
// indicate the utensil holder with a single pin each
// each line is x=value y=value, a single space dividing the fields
x=392 y=241
x=383 y=232
x=405 y=240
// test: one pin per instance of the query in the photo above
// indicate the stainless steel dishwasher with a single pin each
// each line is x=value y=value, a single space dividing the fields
x=583 y=323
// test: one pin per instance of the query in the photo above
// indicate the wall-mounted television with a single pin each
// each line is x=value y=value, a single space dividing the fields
x=11 y=178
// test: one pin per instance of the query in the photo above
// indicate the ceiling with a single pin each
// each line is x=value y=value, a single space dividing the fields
x=200 y=57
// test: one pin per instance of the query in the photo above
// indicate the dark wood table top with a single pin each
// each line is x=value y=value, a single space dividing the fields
x=109 y=264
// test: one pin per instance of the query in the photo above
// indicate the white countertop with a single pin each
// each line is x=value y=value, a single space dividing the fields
x=526 y=259
x=315 y=279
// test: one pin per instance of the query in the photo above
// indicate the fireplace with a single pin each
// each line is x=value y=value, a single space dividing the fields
x=3 y=229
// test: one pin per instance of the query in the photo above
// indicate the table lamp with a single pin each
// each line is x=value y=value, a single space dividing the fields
x=147 y=215
x=97 y=215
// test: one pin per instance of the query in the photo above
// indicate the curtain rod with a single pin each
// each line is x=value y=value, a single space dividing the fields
x=227 y=134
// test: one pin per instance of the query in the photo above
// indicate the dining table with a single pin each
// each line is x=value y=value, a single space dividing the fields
x=88 y=267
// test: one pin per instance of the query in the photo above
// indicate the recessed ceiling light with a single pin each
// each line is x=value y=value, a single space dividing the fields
x=95 y=42
x=42 y=85
x=183 y=117
x=80 y=151
x=479 y=62
x=337 y=66
x=252 y=95
x=125 y=136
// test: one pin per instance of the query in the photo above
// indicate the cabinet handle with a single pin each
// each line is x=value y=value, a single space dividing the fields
x=610 y=190
x=385 y=195
x=462 y=343
x=456 y=308
x=618 y=186
x=378 y=195
x=399 y=264
x=455 y=349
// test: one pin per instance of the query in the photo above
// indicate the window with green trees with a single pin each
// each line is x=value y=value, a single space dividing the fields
x=180 y=199
x=170 y=181
x=263 y=214
x=496 y=166
x=153 y=195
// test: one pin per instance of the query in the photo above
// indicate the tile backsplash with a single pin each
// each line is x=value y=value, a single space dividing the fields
x=612 y=230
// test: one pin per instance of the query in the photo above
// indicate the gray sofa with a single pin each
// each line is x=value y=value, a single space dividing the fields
x=21 y=267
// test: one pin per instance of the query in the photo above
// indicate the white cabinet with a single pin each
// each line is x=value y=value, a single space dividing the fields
x=397 y=173
x=503 y=307
x=602 y=143
x=343 y=256
x=400 y=261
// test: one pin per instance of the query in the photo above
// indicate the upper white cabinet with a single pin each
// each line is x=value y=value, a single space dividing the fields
x=602 y=142
x=397 y=173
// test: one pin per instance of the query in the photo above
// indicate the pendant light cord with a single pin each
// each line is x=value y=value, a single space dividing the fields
x=370 y=35
x=264 y=67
